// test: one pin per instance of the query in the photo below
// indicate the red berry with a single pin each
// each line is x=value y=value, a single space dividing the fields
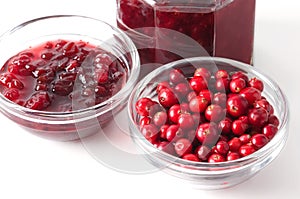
x=237 y=106
x=245 y=139
x=214 y=113
x=176 y=76
x=220 y=99
x=167 y=147
x=163 y=131
x=183 y=146
x=251 y=94
x=208 y=134
x=239 y=127
x=174 y=133
x=198 y=84
x=221 y=74
x=198 y=104
x=256 y=83
x=150 y=132
x=38 y=101
x=143 y=106
x=246 y=149
x=240 y=74
x=216 y=158
x=263 y=103
x=162 y=85
x=182 y=89
x=258 y=117
x=145 y=121
x=207 y=94
x=235 y=144
x=186 y=121
x=203 y=152
x=222 y=85
x=202 y=72
x=160 y=118
x=174 y=112
x=12 y=94
x=273 y=120
x=222 y=147
x=191 y=157
x=232 y=156
x=270 y=131
x=259 y=140
x=236 y=85
x=225 y=126
x=167 y=98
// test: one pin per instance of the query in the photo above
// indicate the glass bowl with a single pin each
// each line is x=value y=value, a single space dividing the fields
x=205 y=175
x=80 y=122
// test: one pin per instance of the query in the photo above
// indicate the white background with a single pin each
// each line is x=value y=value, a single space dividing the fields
x=31 y=167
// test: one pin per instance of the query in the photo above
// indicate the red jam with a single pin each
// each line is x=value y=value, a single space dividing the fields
x=224 y=30
x=49 y=76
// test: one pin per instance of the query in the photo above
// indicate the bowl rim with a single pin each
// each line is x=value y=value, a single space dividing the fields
x=140 y=140
x=103 y=107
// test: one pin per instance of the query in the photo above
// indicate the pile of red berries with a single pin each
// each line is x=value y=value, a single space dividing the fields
x=208 y=117
x=43 y=76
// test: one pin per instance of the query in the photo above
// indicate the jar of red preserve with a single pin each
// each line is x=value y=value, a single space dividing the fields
x=167 y=30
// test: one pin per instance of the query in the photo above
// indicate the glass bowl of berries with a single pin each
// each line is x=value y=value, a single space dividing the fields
x=214 y=122
x=62 y=77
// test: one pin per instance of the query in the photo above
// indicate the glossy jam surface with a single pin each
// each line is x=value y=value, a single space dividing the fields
x=224 y=31
x=49 y=76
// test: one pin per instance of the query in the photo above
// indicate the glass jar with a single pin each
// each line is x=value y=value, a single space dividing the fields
x=167 y=30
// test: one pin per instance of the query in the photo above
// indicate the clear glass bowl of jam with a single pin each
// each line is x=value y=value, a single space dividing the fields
x=63 y=77
x=167 y=30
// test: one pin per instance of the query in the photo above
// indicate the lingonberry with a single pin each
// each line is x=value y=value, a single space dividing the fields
x=245 y=138
x=182 y=89
x=234 y=144
x=263 y=103
x=258 y=117
x=256 y=83
x=183 y=146
x=221 y=74
x=239 y=127
x=150 y=132
x=232 y=156
x=203 y=152
x=237 y=106
x=163 y=131
x=198 y=104
x=174 y=132
x=160 y=118
x=214 y=113
x=174 y=112
x=222 y=147
x=216 y=158
x=274 y=120
x=198 y=84
x=167 y=98
x=239 y=74
x=246 y=149
x=225 y=126
x=222 y=85
x=186 y=121
x=191 y=157
x=270 y=131
x=176 y=76
x=251 y=94
x=202 y=72
x=220 y=99
x=259 y=140
x=143 y=106
x=12 y=94
x=167 y=147
x=162 y=85
x=145 y=121
x=38 y=101
x=208 y=134
x=236 y=85
x=207 y=94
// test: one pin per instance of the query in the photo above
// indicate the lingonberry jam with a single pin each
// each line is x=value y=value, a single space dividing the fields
x=223 y=28
x=207 y=116
x=49 y=76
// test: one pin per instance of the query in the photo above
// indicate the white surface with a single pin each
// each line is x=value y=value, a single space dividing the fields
x=35 y=168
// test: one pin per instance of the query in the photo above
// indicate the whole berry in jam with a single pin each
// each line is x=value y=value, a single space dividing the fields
x=208 y=117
